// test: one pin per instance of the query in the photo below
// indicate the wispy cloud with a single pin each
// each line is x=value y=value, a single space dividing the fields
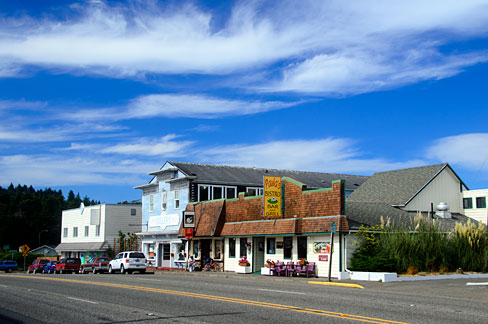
x=164 y=146
x=467 y=150
x=179 y=105
x=326 y=155
x=327 y=47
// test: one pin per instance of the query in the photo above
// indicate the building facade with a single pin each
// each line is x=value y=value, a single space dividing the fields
x=474 y=204
x=89 y=231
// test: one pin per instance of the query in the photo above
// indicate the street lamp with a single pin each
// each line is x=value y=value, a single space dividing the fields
x=40 y=235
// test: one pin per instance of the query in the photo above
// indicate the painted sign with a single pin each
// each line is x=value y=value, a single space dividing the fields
x=188 y=219
x=272 y=196
x=324 y=257
x=321 y=247
x=164 y=221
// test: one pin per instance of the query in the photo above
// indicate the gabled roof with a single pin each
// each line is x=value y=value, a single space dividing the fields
x=397 y=187
x=232 y=175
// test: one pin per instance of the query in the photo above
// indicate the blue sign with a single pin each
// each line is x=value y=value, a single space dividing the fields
x=333 y=227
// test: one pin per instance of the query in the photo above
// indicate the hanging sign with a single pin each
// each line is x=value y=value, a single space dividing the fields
x=188 y=219
x=272 y=196
x=188 y=233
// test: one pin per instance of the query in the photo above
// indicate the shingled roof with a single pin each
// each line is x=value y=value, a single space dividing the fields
x=396 y=187
x=233 y=175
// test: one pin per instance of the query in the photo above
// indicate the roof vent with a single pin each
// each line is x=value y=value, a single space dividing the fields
x=443 y=210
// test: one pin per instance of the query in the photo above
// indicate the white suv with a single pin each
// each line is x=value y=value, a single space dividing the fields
x=128 y=261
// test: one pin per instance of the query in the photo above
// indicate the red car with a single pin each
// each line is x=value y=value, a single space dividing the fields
x=96 y=265
x=71 y=265
x=37 y=266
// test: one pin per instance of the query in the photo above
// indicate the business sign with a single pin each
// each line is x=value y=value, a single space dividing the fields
x=189 y=219
x=321 y=247
x=164 y=221
x=272 y=196
x=188 y=233
x=324 y=257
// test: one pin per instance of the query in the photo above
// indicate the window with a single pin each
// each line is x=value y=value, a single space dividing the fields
x=151 y=203
x=195 y=249
x=218 y=192
x=75 y=231
x=87 y=230
x=254 y=191
x=164 y=199
x=97 y=230
x=218 y=249
x=177 y=199
x=467 y=203
x=243 y=247
x=271 y=245
x=302 y=247
x=65 y=232
x=480 y=202
x=133 y=212
x=232 y=247
x=288 y=247
x=211 y=192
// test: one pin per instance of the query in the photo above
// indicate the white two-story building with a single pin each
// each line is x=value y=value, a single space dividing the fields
x=89 y=231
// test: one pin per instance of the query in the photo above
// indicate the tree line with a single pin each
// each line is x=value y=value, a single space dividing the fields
x=33 y=217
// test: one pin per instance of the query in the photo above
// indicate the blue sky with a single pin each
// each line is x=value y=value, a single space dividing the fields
x=94 y=95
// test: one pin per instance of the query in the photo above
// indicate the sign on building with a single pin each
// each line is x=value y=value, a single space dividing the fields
x=272 y=196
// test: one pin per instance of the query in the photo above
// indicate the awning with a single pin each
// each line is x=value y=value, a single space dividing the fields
x=82 y=247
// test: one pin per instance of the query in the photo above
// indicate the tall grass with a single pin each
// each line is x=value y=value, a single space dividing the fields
x=425 y=247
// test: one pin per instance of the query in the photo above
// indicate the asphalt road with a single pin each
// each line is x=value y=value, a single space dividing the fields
x=231 y=298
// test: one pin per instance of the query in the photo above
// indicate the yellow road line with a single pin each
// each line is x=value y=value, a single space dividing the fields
x=220 y=298
x=339 y=284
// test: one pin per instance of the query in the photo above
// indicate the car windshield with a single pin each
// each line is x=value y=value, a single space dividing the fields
x=103 y=259
x=137 y=255
x=44 y=262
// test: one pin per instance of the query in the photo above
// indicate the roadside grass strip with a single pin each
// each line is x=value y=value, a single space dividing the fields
x=225 y=299
x=337 y=284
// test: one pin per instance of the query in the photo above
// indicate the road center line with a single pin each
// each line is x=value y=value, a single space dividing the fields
x=4 y=286
x=477 y=284
x=82 y=300
x=320 y=312
x=283 y=291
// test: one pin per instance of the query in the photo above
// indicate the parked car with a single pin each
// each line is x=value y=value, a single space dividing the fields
x=96 y=265
x=8 y=265
x=37 y=266
x=127 y=262
x=50 y=267
x=71 y=265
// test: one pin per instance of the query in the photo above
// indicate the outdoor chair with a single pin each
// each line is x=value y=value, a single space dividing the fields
x=310 y=269
x=290 y=268
x=300 y=268
x=280 y=268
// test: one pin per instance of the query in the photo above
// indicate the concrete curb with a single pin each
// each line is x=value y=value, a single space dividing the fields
x=338 y=284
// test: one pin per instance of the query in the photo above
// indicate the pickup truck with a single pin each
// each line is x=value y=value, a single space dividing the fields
x=96 y=265
x=37 y=266
x=8 y=266
x=71 y=265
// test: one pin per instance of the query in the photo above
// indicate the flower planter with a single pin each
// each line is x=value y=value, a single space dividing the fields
x=243 y=269
x=242 y=264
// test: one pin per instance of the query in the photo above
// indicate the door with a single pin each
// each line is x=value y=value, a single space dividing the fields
x=166 y=255
x=205 y=250
x=258 y=254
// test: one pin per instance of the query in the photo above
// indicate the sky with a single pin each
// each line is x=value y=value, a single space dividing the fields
x=96 y=94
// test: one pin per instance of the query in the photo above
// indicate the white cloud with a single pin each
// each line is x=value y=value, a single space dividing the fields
x=61 y=170
x=179 y=105
x=164 y=146
x=322 y=47
x=325 y=155
x=467 y=150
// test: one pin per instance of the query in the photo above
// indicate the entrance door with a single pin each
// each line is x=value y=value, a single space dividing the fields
x=258 y=254
x=166 y=255
x=205 y=250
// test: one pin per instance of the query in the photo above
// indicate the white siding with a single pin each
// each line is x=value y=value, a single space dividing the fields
x=444 y=188
x=118 y=217
x=74 y=218
x=479 y=214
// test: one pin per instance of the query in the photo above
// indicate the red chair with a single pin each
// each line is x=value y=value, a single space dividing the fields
x=280 y=268
x=290 y=268
x=310 y=269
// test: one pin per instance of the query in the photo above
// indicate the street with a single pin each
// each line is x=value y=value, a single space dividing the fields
x=231 y=298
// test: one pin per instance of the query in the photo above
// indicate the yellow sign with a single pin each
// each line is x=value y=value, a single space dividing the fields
x=24 y=249
x=272 y=196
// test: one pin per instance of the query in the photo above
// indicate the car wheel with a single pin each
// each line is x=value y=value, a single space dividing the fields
x=8 y=270
x=122 y=269
x=94 y=270
x=110 y=270
x=143 y=271
x=61 y=271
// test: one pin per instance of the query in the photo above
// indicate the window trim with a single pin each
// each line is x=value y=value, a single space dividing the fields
x=164 y=199
x=75 y=231
x=177 y=199
x=87 y=231
x=151 y=202
x=232 y=252
x=211 y=191
x=484 y=202
x=268 y=240
x=470 y=199
x=259 y=190
x=65 y=232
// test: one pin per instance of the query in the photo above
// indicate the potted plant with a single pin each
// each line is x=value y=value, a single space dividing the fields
x=243 y=262
x=243 y=266
x=269 y=263
x=303 y=261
